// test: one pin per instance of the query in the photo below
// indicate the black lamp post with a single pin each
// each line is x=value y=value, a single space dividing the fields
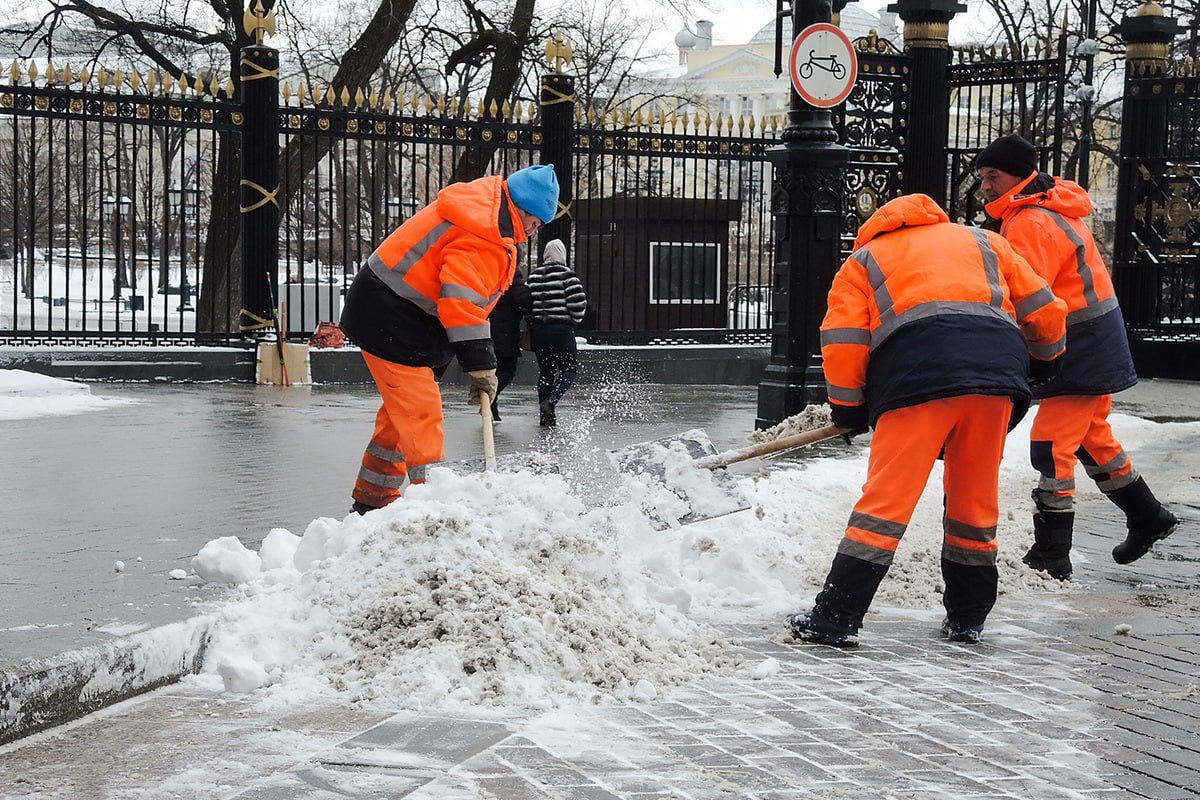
x=114 y=210
x=181 y=199
x=1085 y=94
x=400 y=209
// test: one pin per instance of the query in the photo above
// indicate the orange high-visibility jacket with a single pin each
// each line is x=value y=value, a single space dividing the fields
x=1045 y=226
x=925 y=308
x=426 y=292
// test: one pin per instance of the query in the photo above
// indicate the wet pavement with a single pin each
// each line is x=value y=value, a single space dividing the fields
x=1097 y=698
x=148 y=484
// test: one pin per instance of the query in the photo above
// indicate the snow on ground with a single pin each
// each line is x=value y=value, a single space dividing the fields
x=504 y=590
x=27 y=395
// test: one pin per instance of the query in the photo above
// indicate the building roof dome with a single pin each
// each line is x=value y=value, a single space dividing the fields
x=685 y=39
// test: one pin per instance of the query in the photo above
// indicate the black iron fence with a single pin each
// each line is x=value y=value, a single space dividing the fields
x=1157 y=253
x=105 y=200
x=121 y=201
x=993 y=94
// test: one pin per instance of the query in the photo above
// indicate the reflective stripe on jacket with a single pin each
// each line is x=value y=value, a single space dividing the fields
x=427 y=290
x=925 y=308
x=1047 y=229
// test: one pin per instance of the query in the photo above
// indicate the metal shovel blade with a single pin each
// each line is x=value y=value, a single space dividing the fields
x=691 y=493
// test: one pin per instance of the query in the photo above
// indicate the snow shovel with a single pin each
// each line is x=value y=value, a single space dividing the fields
x=687 y=472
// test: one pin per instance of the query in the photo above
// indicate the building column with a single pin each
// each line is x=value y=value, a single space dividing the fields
x=926 y=39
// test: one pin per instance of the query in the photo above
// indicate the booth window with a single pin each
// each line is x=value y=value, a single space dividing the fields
x=685 y=272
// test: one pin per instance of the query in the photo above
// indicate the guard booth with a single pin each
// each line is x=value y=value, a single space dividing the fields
x=654 y=264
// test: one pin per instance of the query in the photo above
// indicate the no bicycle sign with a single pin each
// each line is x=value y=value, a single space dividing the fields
x=823 y=65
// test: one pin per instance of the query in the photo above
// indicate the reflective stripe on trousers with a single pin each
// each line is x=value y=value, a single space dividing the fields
x=970 y=430
x=1070 y=429
x=904 y=448
x=408 y=432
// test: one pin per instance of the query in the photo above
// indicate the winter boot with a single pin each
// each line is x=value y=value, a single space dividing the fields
x=967 y=634
x=1051 y=551
x=362 y=508
x=1147 y=519
x=809 y=627
x=547 y=419
x=495 y=412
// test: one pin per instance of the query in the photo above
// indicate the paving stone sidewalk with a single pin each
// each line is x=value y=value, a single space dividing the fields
x=1062 y=707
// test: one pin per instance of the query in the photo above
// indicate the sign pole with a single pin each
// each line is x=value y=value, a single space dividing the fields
x=807 y=206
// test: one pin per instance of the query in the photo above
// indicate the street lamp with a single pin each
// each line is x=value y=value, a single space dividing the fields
x=400 y=209
x=181 y=199
x=114 y=210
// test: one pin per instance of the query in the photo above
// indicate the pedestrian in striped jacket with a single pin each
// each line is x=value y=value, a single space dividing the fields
x=558 y=305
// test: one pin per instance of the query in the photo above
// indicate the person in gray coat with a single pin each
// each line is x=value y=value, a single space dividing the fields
x=558 y=303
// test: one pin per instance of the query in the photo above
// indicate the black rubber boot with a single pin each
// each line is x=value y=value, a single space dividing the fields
x=1051 y=551
x=546 y=417
x=1147 y=519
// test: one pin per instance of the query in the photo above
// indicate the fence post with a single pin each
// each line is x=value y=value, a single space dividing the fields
x=558 y=138
x=807 y=204
x=1147 y=35
x=926 y=39
x=260 y=172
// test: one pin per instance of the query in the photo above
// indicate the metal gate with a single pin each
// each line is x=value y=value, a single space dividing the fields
x=1157 y=253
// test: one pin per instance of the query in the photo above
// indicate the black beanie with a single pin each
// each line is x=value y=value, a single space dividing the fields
x=1011 y=154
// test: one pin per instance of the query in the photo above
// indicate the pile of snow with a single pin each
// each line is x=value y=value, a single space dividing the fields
x=26 y=395
x=811 y=418
x=504 y=589
x=486 y=589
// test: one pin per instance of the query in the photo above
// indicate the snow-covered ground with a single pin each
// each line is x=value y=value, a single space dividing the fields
x=504 y=589
x=27 y=395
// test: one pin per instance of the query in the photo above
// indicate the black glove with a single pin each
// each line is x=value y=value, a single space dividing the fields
x=1042 y=372
x=853 y=417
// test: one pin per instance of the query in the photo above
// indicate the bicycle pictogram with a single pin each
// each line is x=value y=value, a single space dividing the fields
x=828 y=63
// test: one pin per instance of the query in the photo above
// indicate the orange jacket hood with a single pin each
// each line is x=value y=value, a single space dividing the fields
x=476 y=206
x=905 y=211
x=1065 y=197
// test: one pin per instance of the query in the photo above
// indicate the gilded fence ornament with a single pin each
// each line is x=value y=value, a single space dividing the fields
x=14 y=73
x=558 y=52
x=258 y=21
x=68 y=76
x=118 y=79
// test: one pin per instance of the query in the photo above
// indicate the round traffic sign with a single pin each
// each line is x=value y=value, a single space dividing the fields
x=823 y=65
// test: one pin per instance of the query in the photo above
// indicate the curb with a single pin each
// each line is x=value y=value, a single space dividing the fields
x=703 y=364
x=42 y=693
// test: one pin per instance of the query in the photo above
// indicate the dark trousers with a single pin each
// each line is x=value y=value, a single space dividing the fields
x=557 y=357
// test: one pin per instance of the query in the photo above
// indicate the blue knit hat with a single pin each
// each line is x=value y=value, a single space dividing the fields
x=535 y=191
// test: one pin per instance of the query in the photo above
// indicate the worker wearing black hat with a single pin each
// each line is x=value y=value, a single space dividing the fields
x=1043 y=218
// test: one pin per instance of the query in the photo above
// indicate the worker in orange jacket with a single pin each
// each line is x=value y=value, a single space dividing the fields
x=1042 y=218
x=423 y=299
x=928 y=337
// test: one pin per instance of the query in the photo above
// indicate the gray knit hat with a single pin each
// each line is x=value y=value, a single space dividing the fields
x=554 y=252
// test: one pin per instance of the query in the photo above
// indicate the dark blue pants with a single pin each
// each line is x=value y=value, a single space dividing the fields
x=557 y=357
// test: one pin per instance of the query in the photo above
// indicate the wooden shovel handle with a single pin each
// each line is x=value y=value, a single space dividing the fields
x=489 y=441
x=773 y=446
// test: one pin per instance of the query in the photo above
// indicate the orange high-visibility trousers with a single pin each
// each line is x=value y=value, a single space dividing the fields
x=906 y=444
x=969 y=431
x=1075 y=428
x=408 y=432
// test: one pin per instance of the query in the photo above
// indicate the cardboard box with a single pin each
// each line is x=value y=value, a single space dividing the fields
x=295 y=356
